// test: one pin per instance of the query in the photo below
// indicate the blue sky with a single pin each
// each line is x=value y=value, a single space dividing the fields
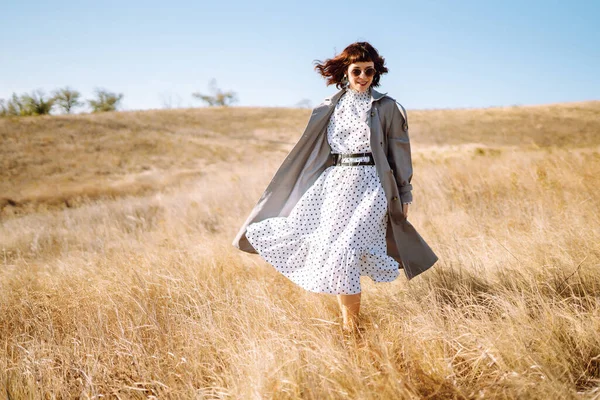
x=441 y=54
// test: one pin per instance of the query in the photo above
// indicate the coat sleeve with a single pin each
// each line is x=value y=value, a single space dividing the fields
x=399 y=154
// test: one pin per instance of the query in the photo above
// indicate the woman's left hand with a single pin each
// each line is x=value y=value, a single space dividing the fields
x=405 y=209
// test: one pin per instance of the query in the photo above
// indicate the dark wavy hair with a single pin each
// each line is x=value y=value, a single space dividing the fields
x=333 y=69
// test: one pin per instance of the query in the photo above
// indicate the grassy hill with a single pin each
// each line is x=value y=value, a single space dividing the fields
x=63 y=161
x=56 y=161
x=118 y=278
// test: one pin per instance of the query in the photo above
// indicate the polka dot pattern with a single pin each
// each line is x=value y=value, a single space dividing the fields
x=336 y=232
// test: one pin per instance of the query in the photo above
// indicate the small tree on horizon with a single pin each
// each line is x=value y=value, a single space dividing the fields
x=105 y=101
x=218 y=97
x=15 y=106
x=67 y=99
x=304 y=103
x=37 y=103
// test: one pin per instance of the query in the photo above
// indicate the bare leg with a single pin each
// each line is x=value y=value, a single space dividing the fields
x=350 y=306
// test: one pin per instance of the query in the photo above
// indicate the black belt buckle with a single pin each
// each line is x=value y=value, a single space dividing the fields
x=346 y=160
x=336 y=158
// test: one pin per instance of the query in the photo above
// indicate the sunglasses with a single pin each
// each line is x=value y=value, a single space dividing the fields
x=369 y=72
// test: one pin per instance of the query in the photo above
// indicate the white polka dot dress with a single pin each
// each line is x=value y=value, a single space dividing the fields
x=336 y=232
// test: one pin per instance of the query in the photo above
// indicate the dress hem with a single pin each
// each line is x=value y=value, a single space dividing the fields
x=346 y=263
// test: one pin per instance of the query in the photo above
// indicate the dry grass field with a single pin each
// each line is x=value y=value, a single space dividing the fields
x=118 y=279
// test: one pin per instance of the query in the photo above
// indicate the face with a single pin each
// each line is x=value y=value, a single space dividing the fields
x=361 y=82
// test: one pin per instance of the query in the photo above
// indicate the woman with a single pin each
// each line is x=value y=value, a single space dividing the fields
x=332 y=211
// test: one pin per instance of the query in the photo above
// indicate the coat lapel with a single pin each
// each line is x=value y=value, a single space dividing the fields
x=328 y=104
x=376 y=96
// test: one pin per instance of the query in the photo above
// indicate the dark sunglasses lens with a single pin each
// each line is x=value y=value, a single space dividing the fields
x=368 y=72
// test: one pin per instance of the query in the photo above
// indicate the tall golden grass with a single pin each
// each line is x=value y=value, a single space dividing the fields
x=139 y=294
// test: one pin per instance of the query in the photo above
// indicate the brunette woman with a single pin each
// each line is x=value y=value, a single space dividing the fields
x=337 y=207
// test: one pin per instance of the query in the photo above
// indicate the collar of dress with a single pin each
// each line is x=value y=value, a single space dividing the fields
x=330 y=101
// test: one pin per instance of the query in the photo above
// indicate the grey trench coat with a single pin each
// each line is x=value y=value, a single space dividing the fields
x=311 y=155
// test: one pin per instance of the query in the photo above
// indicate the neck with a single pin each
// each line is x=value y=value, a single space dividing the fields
x=350 y=88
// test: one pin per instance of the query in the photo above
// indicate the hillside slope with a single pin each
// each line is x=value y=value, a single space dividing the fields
x=63 y=161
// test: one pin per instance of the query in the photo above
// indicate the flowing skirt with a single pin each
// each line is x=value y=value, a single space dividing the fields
x=334 y=234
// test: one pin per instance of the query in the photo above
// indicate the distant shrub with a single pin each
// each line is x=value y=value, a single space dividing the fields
x=304 y=103
x=14 y=106
x=218 y=97
x=105 y=101
x=67 y=99
x=36 y=103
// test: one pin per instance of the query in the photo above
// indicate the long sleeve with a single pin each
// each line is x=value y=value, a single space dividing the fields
x=400 y=155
